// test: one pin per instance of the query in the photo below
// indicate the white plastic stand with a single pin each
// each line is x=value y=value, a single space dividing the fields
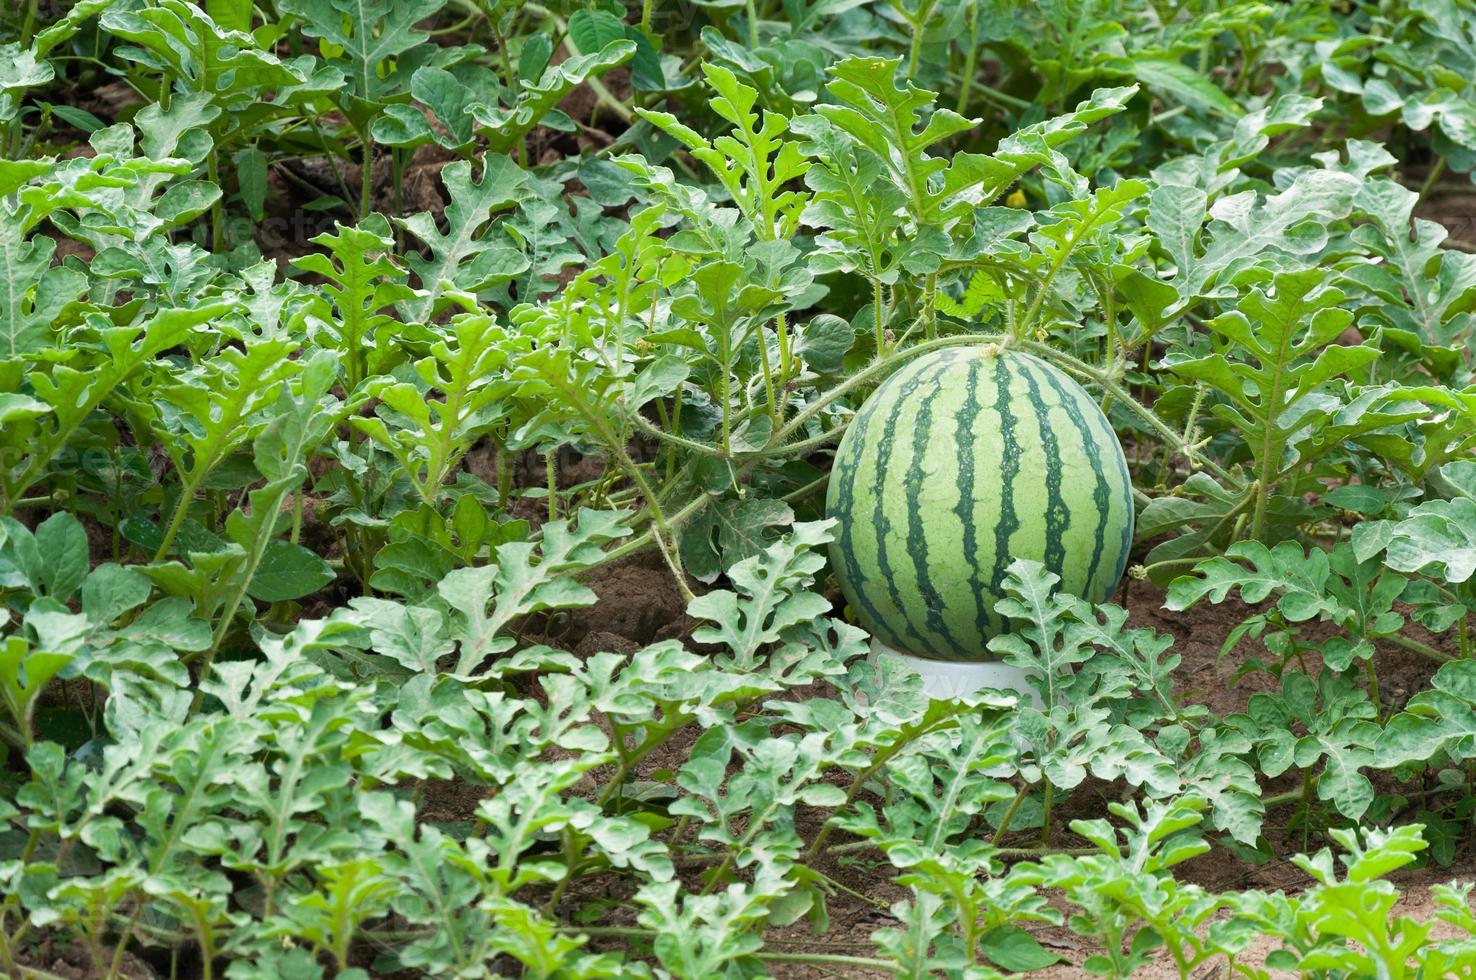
x=944 y=679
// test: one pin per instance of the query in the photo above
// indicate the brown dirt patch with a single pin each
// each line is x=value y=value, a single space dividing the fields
x=637 y=600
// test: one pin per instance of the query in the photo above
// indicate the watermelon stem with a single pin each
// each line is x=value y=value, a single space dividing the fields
x=971 y=55
x=1004 y=823
x=813 y=486
x=805 y=445
x=661 y=532
x=1423 y=649
x=768 y=375
x=916 y=322
x=878 y=319
x=690 y=445
x=1045 y=818
x=781 y=331
x=1072 y=365
x=1147 y=571
x=1109 y=318
x=727 y=406
x=929 y=307
x=645 y=540
x=779 y=444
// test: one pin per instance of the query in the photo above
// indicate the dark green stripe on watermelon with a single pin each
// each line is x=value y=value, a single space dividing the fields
x=963 y=437
x=917 y=543
x=1125 y=539
x=1057 y=514
x=842 y=501
x=1009 y=522
x=1101 y=499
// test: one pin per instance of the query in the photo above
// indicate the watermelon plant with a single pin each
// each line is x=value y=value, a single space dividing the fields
x=455 y=460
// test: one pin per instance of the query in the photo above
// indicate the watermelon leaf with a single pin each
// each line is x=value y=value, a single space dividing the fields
x=772 y=595
x=471 y=255
x=754 y=163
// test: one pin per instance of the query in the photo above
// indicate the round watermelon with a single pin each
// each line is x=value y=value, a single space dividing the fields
x=958 y=464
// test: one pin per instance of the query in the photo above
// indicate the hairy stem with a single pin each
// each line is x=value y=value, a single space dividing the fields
x=878 y=319
x=1004 y=824
x=217 y=210
x=929 y=311
x=176 y=520
x=28 y=25
x=1431 y=179
x=971 y=56
x=1045 y=817
x=1416 y=646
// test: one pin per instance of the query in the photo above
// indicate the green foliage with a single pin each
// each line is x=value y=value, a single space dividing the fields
x=1125 y=898
x=466 y=257
x=1275 y=396
x=429 y=436
x=371 y=39
x=504 y=127
x=331 y=640
x=754 y=164
x=363 y=281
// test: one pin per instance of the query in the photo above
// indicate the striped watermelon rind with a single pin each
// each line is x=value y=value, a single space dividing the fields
x=960 y=462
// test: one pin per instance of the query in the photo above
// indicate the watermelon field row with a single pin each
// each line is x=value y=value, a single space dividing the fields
x=721 y=489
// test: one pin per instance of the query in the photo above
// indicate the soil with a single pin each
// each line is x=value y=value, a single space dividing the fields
x=1452 y=202
x=637 y=605
x=72 y=961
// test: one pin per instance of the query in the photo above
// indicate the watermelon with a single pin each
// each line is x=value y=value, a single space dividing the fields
x=959 y=463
